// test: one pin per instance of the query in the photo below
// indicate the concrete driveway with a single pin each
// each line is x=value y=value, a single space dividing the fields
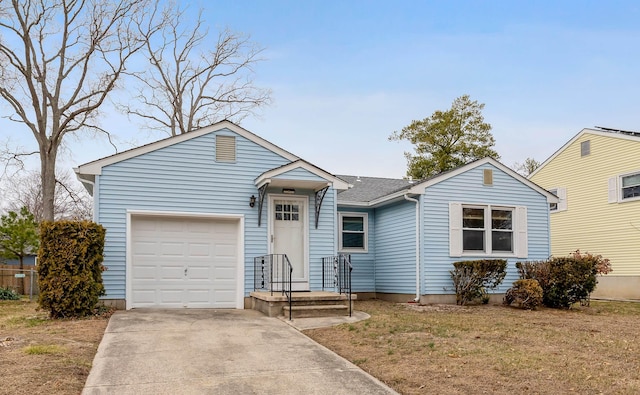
x=217 y=352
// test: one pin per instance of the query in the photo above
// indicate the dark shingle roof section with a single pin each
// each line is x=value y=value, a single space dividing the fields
x=366 y=189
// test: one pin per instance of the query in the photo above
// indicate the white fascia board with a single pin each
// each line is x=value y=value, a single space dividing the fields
x=96 y=166
x=577 y=136
x=352 y=204
x=397 y=196
x=87 y=180
x=336 y=182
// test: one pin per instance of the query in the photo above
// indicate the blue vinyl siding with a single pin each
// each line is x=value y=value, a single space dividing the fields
x=363 y=276
x=395 y=246
x=321 y=240
x=185 y=177
x=299 y=174
x=468 y=188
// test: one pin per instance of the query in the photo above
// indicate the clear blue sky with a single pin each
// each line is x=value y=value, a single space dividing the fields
x=346 y=74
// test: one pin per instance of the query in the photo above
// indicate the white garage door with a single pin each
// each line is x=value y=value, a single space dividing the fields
x=184 y=262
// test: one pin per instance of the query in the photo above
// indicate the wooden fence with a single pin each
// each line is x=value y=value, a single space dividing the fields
x=9 y=279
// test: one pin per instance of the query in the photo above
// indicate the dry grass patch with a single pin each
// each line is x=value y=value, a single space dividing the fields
x=43 y=356
x=446 y=349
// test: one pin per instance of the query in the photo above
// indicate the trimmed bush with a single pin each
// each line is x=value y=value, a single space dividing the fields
x=8 y=294
x=70 y=267
x=471 y=279
x=566 y=280
x=526 y=294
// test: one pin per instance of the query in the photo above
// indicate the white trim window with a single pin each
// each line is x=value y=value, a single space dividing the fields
x=625 y=187
x=561 y=193
x=354 y=228
x=487 y=230
x=630 y=186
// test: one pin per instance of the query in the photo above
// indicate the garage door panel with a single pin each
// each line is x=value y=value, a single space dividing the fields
x=184 y=262
x=170 y=272
x=145 y=272
x=172 y=249
x=199 y=273
x=225 y=273
x=145 y=296
x=200 y=250
x=145 y=248
x=171 y=296
x=225 y=297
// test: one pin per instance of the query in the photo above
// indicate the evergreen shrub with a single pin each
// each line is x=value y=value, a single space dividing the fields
x=70 y=267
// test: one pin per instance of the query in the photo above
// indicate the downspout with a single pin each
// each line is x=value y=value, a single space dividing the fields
x=417 y=202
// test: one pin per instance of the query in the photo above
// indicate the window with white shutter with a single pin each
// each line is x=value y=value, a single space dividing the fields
x=561 y=193
x=487 y=230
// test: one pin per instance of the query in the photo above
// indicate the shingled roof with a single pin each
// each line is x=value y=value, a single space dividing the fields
x=366 y=189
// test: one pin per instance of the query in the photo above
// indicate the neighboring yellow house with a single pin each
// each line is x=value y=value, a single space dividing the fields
x=596 y=175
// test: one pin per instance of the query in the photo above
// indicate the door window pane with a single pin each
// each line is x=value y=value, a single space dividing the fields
x=287 y=212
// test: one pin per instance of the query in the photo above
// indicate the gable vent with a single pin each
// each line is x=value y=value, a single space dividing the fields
x=225 y=148
x=585 y=148
x=487 y=177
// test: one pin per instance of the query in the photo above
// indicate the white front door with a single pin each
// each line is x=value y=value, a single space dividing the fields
x=289 y=235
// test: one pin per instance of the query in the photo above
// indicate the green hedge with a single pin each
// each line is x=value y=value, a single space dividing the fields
x=471 y=279
x=70 y=267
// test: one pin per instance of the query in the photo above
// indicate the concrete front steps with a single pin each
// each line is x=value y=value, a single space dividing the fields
x=303 y=304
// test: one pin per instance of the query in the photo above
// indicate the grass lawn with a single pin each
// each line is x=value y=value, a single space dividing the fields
x=437 y=349
x=448 y=349
x=43 y=356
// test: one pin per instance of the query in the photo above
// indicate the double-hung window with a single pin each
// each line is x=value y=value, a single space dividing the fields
x=630 y=186
x=625 y=187
x=561 y=205
x=353 y=232
x=487 y=230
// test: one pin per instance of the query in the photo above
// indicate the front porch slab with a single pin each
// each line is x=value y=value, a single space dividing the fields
x=272 y=304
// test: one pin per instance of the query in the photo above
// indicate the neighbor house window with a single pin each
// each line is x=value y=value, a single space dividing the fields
x=553 y=206
x=487 y=230
x=561 y=193
x=630 y=186
x=353 y=232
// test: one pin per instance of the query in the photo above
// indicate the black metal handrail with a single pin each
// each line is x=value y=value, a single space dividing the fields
x=336 y=274
x=273 y=272
x=287 y=270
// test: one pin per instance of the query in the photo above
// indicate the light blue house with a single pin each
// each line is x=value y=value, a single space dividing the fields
x=187 y=216
x=415 y=231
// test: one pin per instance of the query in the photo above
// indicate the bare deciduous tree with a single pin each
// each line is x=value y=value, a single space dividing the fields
x=188 y=85
x=71 y=200
x=527 y=167
x=59 y=61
